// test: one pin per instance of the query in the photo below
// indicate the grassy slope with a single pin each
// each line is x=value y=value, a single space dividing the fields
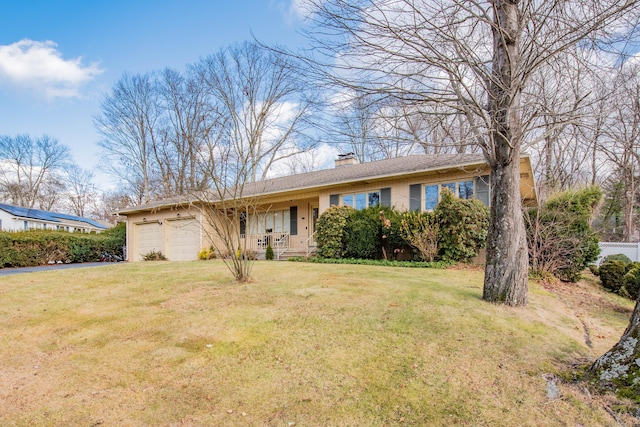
x=169 y=343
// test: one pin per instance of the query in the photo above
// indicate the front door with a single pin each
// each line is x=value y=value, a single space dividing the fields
x=313 y=219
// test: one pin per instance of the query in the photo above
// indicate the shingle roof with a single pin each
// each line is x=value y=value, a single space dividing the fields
x=387 y=168
x=47 y=216
x=363 y=171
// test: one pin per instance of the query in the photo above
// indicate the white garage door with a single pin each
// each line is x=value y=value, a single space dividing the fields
x=183 y=240
x=148 y=238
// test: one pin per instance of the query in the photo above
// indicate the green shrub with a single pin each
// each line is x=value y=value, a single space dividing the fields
x=392 y=242
x=631 y=287
x=616 y=257
x=331 y=231
x=561 y=240
x=463 y=226
x=268 y=255
x=363 y=234
x=420 y=230
x=154 y=255
x=612 y=274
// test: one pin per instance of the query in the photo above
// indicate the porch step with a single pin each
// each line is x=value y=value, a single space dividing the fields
x=295 y=253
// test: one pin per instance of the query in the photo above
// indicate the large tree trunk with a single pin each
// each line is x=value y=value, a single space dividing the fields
x=619 y=368
x=506 y=271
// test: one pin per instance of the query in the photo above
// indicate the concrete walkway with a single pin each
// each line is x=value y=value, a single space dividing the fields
x=9 y=271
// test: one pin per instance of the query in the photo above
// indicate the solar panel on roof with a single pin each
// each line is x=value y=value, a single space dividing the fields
x=46 y=216
x=77 y=218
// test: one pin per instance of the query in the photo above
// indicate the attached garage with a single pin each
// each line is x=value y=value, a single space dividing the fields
x=183 y=239
x=148 y=237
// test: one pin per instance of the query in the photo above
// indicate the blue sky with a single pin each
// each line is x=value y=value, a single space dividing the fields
x=58 y=58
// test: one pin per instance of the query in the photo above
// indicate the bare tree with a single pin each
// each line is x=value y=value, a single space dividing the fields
x=128 y=125
x=474 y=57
x=81 y=190
x=256 y=107
x=29 y=170
x=623 y=146
x=263 y=103
x=224 y=206
x=564 y=121
x=109 y=204
x=187 y=123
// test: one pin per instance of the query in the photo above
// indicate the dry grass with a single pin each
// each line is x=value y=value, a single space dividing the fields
x=327 y=345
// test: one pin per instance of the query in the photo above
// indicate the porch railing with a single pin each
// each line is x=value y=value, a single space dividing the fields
x=279 y=241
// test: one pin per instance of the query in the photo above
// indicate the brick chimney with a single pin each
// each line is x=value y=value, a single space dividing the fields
x=347 y=159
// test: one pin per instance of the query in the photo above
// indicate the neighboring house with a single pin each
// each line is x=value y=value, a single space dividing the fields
x=289 y=206
x=15 y=218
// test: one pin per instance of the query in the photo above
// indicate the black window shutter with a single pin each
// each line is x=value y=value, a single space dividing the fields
x=293 y=220
x=243 y=223
x=385 y=197
x=415 y=197
x=334 y=200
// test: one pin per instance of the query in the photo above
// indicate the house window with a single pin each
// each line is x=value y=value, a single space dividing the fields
x=270 y=222
x=451 y=186
x=465 y=189
x=432 y=193
x=26 y=225
x=374 y=198
x=361 y=201
x=431 y=196
x=380 y=197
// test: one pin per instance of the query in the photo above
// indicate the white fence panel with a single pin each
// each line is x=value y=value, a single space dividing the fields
x=632 y=250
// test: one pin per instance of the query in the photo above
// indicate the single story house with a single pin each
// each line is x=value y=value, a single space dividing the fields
x=16 y=218
x=289 y=206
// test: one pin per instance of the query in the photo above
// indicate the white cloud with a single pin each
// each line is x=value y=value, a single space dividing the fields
x=299 y=9
x=40 y=67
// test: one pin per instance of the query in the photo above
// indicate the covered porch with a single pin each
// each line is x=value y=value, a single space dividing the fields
x=288 y=228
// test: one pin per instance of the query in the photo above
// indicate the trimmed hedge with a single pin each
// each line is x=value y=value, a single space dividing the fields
x=40 y=247
x=454 y=232
x=373 y=262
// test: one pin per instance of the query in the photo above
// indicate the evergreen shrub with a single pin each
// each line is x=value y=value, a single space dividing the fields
x=561 y=239
x=331 y=229
x=463 y=226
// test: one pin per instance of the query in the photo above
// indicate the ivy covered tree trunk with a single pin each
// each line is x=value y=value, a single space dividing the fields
x=619 y=368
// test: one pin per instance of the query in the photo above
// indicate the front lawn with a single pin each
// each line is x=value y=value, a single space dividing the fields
x=168 y=343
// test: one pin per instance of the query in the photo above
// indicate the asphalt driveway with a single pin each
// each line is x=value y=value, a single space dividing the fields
x=8 y=271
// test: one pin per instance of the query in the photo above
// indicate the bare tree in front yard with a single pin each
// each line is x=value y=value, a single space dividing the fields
x=257 y=109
